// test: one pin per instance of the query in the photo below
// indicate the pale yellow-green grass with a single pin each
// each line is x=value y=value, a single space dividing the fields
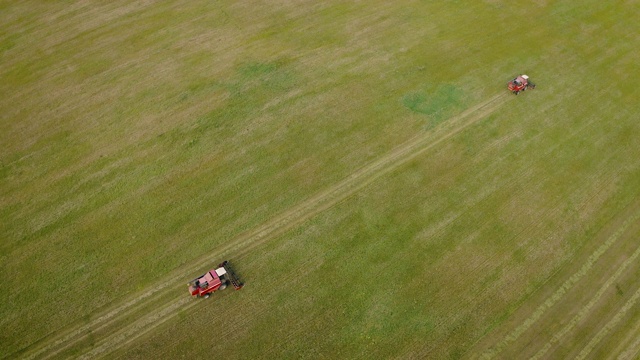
x=362 y=164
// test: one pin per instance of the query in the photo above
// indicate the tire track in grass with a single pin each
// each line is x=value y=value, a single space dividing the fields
x=273 y=228
x=586 y=310
x=78 y=333
x=610 y=325
x=562 y=290
x=138 y=328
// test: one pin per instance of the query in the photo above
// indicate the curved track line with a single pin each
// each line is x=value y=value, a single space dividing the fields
x=586 y=310
x=610 y=325
x=564 y=288
x=283 y=222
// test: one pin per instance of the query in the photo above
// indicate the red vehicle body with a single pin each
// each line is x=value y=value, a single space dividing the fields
x=214 y=280
x=520 y=83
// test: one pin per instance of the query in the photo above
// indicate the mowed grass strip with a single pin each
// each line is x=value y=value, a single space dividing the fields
x=121 y=166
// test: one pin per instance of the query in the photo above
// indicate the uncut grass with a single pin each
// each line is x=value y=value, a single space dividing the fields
x=372 y=277
x=376 y=263
x=431 y=258
x=309 y=292
x=122 y=143
x=149 y=154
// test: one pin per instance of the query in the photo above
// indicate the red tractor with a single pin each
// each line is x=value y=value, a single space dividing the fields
x=214 y=280
x=520 y=83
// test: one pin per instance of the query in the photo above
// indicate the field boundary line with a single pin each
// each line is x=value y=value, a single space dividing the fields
x=587 y=308
x=610 y=325
x=286 y=220
x=562 y=290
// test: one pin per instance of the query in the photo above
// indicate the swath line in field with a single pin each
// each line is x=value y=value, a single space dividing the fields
x=632 y=351
x=564 y=288
x=274 y=227
x=610 y=325
x=586 y=310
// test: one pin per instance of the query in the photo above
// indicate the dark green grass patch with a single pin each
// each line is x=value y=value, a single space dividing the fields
x=437 y=104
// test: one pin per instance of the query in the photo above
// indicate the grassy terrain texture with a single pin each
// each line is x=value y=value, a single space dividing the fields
x=362 y=164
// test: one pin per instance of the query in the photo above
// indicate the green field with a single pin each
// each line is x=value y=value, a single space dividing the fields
x=362 y=164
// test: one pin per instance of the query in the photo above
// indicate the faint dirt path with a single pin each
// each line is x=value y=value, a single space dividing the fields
x=245 y=242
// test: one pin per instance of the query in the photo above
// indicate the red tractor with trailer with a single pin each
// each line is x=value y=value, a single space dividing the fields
x=519 y=84
x=214 y=280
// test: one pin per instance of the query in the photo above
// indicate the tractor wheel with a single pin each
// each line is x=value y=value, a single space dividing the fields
x=223 y=286
x=206 y=296
x=517 y=92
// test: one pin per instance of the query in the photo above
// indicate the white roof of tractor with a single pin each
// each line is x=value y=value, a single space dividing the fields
x=221 y=271
x=525 y=77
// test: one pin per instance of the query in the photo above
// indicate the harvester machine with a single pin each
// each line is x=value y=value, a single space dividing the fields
x=216 y=279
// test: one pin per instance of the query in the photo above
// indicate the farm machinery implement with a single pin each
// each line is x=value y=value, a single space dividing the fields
x=214 y=280
x=519 y=84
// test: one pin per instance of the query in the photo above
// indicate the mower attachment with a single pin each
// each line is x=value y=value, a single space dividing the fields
x=231 y=275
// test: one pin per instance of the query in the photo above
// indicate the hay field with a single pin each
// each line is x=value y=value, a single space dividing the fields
x=361 y=164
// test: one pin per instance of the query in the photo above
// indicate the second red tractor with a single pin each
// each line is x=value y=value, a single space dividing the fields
x=519 y=84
